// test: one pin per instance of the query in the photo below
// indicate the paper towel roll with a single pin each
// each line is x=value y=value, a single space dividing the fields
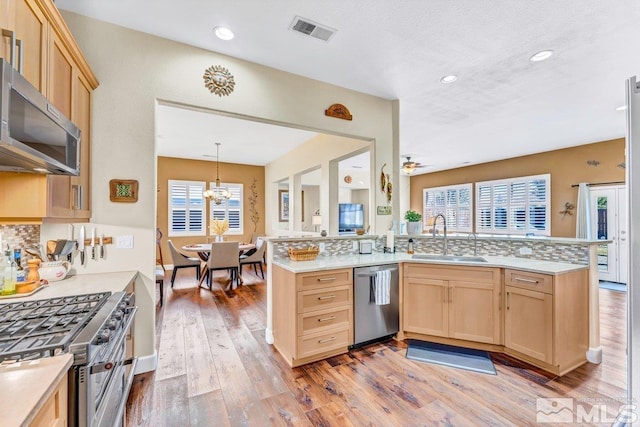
x=390 y=242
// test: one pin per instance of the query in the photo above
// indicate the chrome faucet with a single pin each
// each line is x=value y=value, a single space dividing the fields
x=444 y=222
x=475 y=243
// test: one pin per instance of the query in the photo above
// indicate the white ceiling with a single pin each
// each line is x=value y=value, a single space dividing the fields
x=502 y=105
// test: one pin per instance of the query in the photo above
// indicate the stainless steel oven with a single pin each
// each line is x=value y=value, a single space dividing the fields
x=101 y=377
x=94 y=328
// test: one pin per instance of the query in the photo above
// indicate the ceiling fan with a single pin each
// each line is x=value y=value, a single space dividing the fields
x=408 y=167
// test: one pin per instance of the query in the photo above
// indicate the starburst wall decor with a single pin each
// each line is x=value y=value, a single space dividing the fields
x=219 y=80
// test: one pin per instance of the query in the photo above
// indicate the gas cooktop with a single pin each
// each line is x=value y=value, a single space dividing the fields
x=34 y=329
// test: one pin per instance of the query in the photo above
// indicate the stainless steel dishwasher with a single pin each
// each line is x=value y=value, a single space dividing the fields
x=372 y=321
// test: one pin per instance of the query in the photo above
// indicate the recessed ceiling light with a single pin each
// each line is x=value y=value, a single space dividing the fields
x=541 y=56
x=621 y=108
x=448 y=79
x=223 y=33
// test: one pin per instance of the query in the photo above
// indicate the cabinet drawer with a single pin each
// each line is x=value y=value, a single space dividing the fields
x=308 y=345
x=323 y=279
x=320 y=321
x=526 y=280
x=318 y=299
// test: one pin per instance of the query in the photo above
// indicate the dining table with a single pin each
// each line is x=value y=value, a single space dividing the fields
x=204 y=249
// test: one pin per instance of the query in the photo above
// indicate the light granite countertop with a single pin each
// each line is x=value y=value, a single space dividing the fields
x=350 y=261
x=79 y=285
x=462 y=236
x=26 y=386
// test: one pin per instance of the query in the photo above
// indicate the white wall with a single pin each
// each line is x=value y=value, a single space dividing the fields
x=136 y=69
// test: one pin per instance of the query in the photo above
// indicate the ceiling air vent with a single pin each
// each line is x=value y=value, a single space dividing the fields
x=313 y=29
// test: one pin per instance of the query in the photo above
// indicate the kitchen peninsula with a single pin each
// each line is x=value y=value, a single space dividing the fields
x=554 y=281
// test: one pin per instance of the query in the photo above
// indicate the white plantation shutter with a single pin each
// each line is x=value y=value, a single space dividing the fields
x=514 y=206
x=454 y=202
x=186 y=208
x=230 y=209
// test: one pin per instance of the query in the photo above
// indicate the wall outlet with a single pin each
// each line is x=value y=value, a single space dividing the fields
x=526 y=251
x=355 y=245
x=321 y=247
x=124 y=242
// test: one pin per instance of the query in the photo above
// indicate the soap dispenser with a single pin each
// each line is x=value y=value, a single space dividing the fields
x=410 y=246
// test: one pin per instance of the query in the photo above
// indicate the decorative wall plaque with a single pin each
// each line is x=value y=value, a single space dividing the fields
x=219 y=80
x=384 y=210
x=123 y=190
x=338 y=111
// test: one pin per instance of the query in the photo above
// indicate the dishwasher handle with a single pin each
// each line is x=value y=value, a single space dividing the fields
x=374 y=272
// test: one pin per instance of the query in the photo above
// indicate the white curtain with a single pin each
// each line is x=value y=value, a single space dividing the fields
x=583 y=212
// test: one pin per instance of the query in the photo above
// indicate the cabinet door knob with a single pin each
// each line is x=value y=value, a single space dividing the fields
x=327 y=340
x=326 y=319
x=327 y=297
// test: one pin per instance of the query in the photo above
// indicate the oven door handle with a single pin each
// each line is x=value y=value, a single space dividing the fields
x=125 y=393
x=109 y=364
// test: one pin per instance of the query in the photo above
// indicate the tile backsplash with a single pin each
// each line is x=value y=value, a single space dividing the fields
x=20 y=235
x=544 y=250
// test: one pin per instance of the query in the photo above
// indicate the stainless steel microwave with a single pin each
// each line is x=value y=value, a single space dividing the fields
x=34 y=135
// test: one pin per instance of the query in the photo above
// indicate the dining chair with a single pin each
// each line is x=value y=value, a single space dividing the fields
x=159 y=245
x=182 y=261
x=224 y=256
x=256 y=258
x=160 y=281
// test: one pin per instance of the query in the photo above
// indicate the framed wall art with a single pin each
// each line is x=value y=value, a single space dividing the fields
x=123 y=190
x=283 y=205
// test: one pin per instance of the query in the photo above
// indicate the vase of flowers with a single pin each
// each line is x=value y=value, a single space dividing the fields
x=414 y=224
x=219 y=227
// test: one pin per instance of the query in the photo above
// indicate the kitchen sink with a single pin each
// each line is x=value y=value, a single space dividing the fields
x=453 y=258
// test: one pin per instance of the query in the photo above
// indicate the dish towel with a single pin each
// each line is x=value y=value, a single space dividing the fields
x=382 y=281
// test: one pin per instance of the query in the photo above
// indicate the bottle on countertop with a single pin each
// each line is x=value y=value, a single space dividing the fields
x=20 y=272
x=10 y=273
x=410 y=246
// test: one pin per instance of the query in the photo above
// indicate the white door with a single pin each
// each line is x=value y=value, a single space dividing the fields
x=608 y=207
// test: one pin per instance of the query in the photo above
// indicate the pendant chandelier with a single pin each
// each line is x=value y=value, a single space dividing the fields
x=218 y=193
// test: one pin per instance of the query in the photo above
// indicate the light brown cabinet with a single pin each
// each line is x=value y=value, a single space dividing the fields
x=53 y=63
x=546 y=318
x=458 y=302
x=312 y=314
x=54 y=411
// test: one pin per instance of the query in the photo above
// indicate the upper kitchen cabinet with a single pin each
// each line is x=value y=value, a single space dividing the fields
x=46 y=52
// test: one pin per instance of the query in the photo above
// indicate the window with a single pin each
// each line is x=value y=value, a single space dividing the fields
x=230 y=209
x=514 y=206
x=454 y=202
x=186 y=208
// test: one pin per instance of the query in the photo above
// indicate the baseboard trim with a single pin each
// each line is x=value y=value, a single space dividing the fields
x=268 y=335
x=147 y=363
x=594 y=355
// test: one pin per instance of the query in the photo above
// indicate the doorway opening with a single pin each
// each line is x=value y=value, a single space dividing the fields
x=609 y=207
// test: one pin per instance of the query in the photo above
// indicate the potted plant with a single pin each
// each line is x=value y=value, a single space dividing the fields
x=414 y=226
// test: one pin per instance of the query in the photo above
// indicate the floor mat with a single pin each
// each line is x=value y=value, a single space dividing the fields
x=448 y=355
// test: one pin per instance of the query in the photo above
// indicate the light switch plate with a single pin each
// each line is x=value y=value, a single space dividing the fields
x=124 y=242
x=321 y=247
x=526 y=251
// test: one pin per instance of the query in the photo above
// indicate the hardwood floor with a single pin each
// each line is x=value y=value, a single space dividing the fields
x=215 y=369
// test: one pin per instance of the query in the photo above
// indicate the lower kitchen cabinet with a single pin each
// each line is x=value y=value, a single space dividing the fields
x=54 y=411
x=458 y=302
x=547 y=318
x=312 y=314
